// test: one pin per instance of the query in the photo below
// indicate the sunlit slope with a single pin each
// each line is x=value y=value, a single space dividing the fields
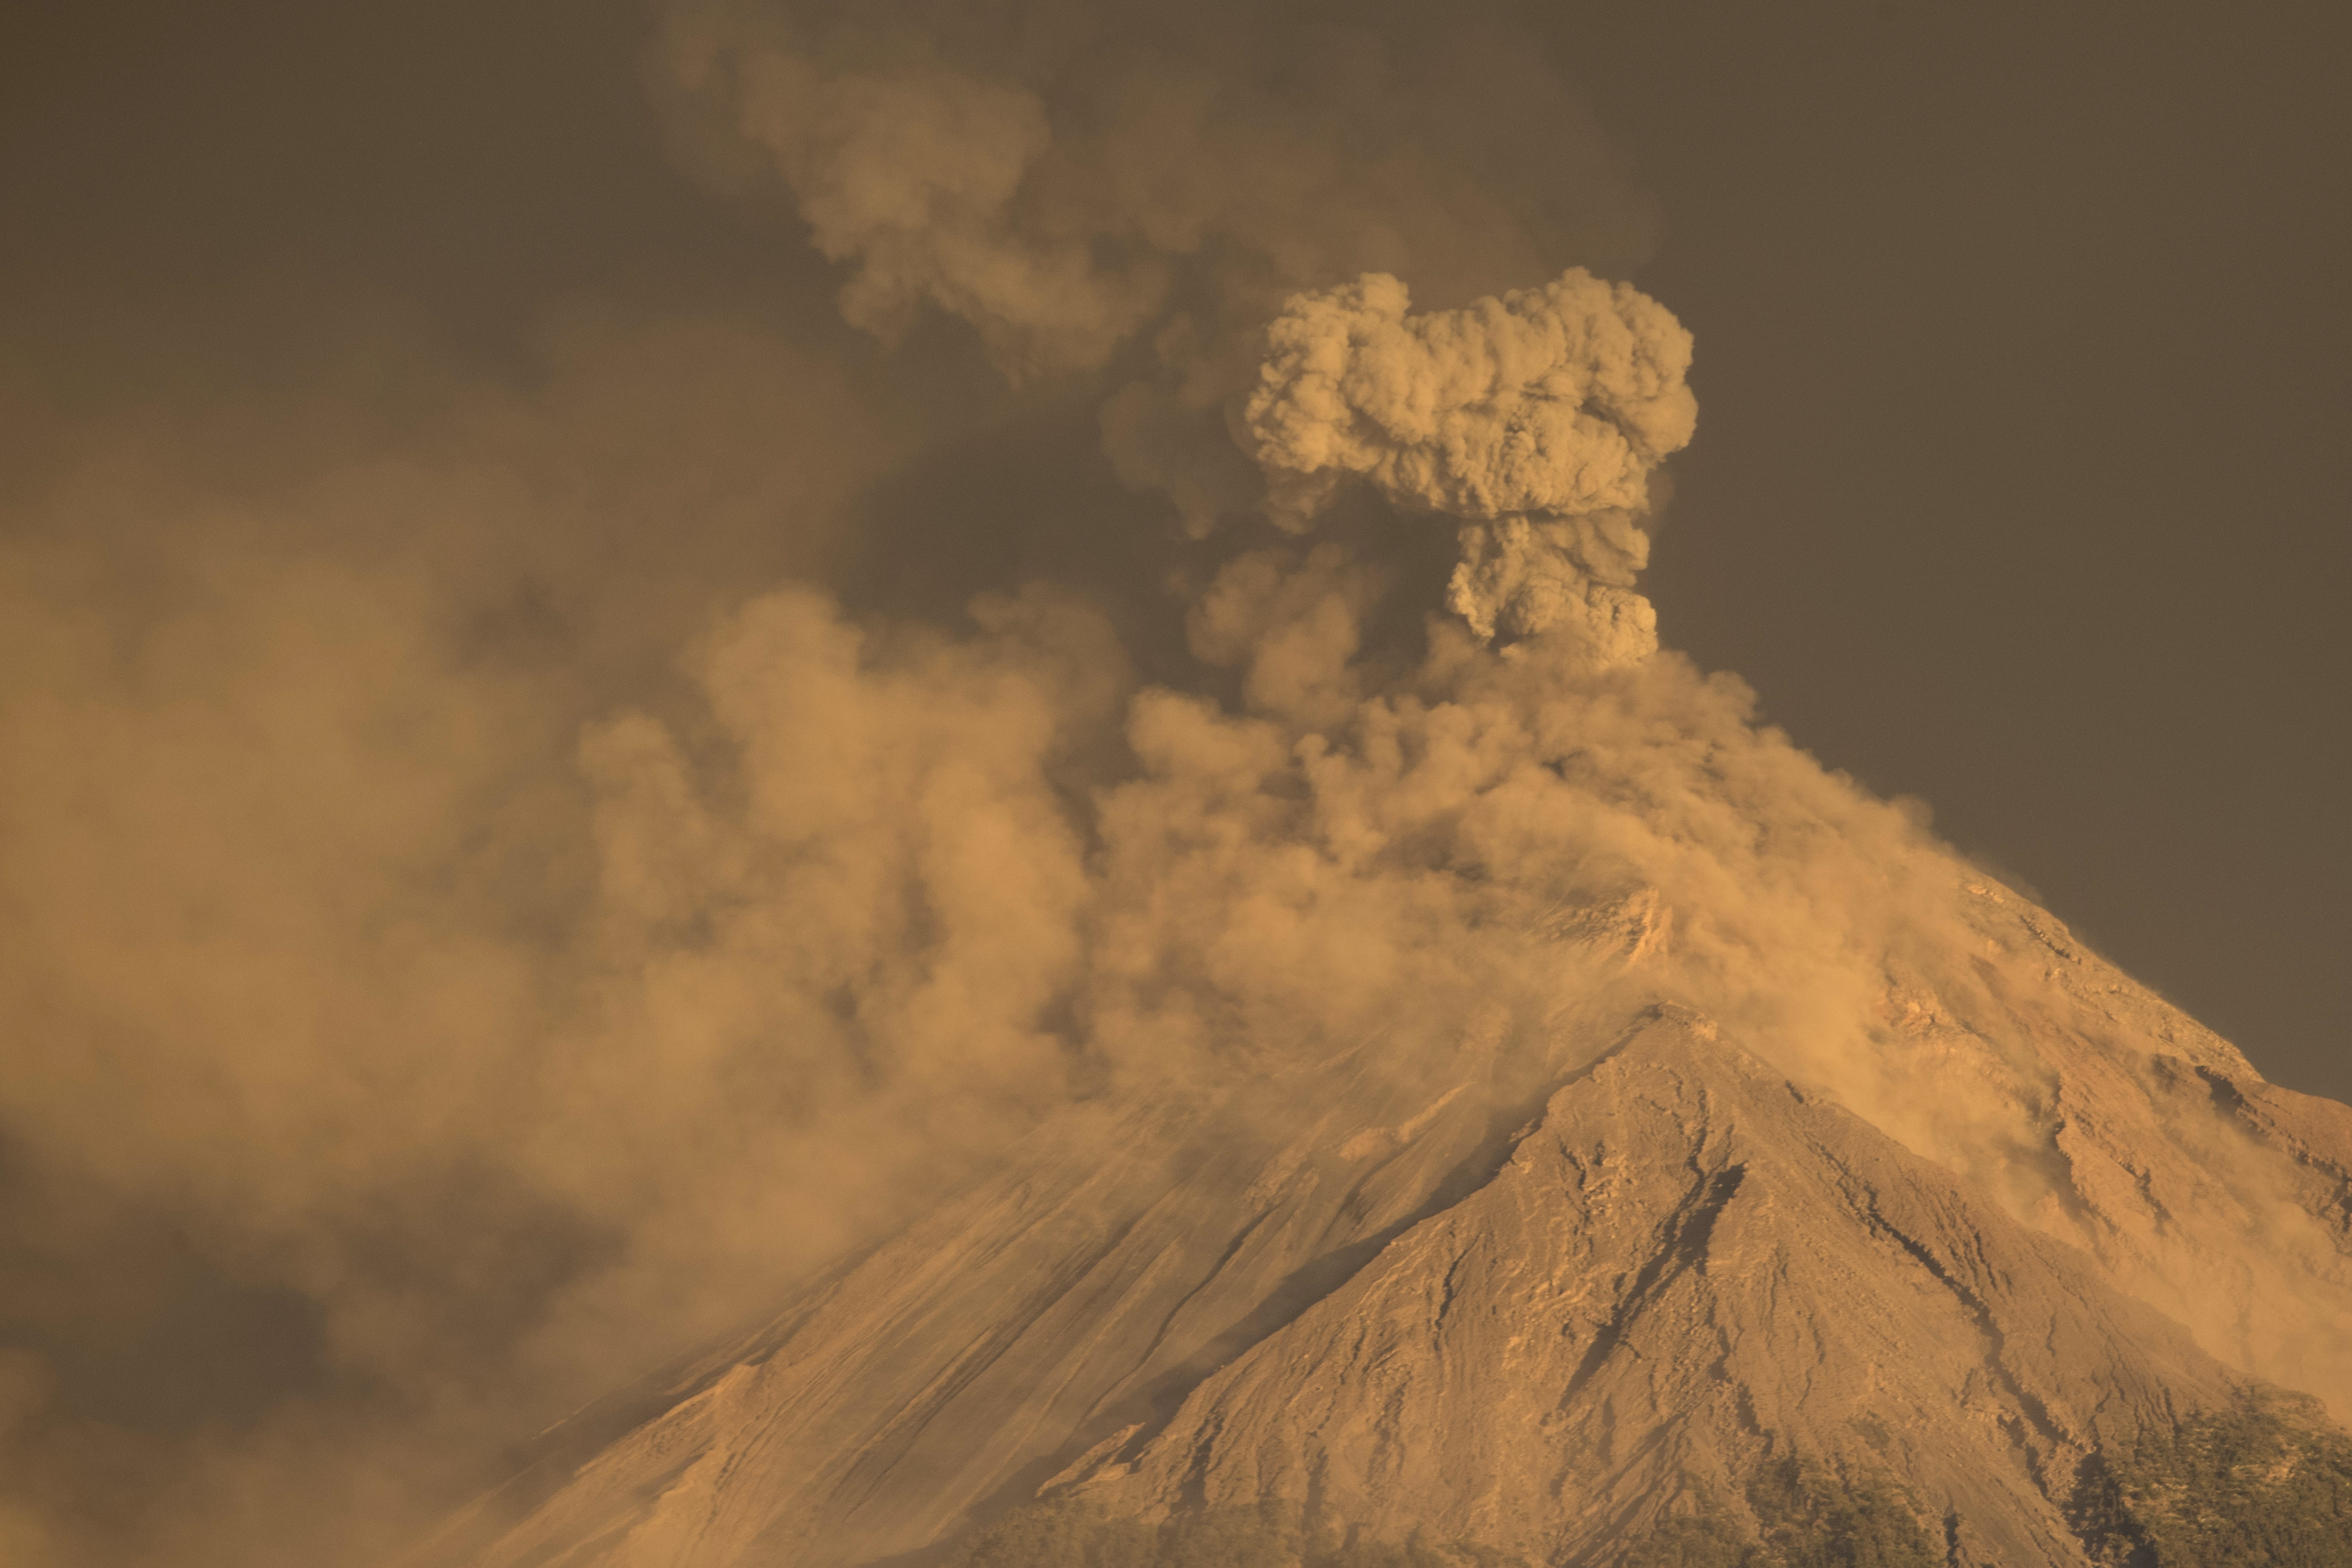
x=1685 y=1268
x=1537 y=1293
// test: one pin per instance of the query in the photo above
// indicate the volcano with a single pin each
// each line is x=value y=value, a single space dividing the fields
x=1571 y=1295
x=1512 y=1106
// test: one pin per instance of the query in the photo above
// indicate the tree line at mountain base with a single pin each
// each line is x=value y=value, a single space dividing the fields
x=1807 y=1517
x=1071 y=1534
x=1810 y=1519
x=2266 y=1483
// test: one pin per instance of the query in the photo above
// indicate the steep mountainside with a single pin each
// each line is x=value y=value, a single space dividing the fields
x=1545 y=1297
x=1685 y=1268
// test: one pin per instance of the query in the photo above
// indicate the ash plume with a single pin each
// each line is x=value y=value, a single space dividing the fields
x=1067 y=197
x=1556 y=402
x=1136 y=197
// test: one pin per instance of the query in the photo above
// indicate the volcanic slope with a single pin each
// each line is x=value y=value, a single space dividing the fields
x=1539 y=1298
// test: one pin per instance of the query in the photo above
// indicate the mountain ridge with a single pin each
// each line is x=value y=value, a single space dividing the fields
x=1206 y=1302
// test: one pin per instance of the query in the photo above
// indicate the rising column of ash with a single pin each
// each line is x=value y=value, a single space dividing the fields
x=1537 y=418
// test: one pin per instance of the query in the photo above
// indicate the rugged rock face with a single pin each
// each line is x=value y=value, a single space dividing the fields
x=1538 y=1297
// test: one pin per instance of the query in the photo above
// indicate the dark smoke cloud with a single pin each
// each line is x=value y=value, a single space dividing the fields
x=1534 y=421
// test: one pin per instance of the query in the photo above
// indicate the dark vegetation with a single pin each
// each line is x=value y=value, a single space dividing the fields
x=2264 y=1484
x=1807 y=1516
x=1810 y=1519
x=1071 y=1534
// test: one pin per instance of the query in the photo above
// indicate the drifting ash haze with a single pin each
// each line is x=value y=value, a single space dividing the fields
x=1283 y=993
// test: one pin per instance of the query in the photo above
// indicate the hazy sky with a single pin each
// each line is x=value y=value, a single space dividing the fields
x=384 y=408
x=2021 y=485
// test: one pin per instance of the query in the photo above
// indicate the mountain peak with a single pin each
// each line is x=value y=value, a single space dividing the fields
x=1545 y=1302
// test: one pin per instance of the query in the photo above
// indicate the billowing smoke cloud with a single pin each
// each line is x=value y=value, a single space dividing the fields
x=1556 y=402
x=1138 y=197
x=491 y=897
x=1073 y=195
x=1560 y=399
x=325 y=1164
